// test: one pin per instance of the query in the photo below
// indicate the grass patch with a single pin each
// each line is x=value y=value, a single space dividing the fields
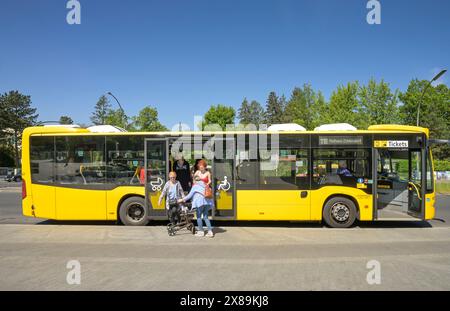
x=443 y=186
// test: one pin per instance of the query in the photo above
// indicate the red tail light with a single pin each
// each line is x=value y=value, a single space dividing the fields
x=24 y=189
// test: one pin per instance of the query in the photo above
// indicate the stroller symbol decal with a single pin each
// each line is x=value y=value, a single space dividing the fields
x=224 y=185
x=156 y=185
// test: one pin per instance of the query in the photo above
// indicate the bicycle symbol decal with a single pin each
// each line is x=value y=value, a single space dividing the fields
x=224 y=185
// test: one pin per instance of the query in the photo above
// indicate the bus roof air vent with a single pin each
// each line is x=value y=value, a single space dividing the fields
x=286 y=127
x=105 y=129
x=336 y=127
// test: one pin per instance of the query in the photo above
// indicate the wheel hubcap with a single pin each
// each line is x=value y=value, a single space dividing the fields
x=135 y=212
x=340 y=212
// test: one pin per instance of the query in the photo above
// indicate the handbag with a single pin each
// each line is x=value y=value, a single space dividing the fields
x=173 y=202
x=208 y=192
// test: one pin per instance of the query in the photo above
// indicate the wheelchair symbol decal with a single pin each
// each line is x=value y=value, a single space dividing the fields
x=156 y=185
x=224 y=185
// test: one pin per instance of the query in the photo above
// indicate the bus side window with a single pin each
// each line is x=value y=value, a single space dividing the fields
x=327 y=163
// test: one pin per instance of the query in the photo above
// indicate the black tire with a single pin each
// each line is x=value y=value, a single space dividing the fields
x=132 y=212
x=18 y=179
x=191 y=228
x=339 y=212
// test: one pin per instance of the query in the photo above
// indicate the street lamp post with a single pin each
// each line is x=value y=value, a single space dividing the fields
x=423 y=92
x=120 y=106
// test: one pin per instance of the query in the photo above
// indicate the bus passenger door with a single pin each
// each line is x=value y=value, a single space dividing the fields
x=156 y=165
x=398 y=181
x=223 y=179
x=416 y=184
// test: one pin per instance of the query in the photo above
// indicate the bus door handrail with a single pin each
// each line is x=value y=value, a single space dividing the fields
x=417 y=189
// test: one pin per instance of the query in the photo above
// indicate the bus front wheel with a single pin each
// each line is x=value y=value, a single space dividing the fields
x=339 y=212
x=132 y=212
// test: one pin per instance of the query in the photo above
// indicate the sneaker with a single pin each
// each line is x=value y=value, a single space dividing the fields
x=210 y=234
x=200 y=233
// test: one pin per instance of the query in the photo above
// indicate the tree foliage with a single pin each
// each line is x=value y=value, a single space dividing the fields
x=101 y=111
x=147 y=120
x=65 y=120
x=252 y=113
x=219 y=115
x=378 y=104
x=274 y=109
x=16 y=114
x=434 y=111
x=344 y=106
x=117 y=117
x=305 y=107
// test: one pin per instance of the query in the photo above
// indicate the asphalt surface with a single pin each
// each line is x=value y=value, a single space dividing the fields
x=35 y=253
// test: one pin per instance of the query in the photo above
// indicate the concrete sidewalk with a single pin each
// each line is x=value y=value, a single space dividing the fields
x=238 y=258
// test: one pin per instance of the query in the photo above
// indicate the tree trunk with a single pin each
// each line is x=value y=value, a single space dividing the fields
x=16 y=150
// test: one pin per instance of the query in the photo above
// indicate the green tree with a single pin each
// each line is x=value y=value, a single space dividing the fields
x=252 y=113
x=244 y=113
x=6 y=158
x=221 y=115
x=102 y=110
x=147 y=120
x=117 y=117
x=65 y=120
x=274 y=109
x=378 y=105
x=344 y=106
x=16 y=114
x=305 y=107
x=321 y=107
x=434 y=111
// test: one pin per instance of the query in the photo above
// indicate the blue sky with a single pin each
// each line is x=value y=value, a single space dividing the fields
x=183 y=56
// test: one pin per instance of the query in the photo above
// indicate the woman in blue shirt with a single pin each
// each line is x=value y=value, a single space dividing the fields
x=202 y=205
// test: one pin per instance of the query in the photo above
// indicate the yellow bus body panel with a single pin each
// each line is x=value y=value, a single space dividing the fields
x=80 y=204
x=224 y=200
x=320 y=196
x=430 y=201
x=114 y=197
x=43 y=201
x=272 y=205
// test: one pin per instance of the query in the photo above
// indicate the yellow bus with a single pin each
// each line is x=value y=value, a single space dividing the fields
x=73 y=173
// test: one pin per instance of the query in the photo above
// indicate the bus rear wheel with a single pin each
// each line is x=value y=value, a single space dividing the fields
x=132 y=212
x=339 y=212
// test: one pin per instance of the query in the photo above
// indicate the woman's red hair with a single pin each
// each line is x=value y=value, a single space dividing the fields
x=202 y=163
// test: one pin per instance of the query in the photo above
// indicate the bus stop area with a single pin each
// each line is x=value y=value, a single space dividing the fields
x=37 y=254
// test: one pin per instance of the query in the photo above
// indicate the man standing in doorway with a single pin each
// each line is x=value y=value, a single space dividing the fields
x=181 y=167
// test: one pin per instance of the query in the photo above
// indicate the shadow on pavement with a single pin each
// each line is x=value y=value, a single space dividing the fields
x=77 y=222
x=218 y=225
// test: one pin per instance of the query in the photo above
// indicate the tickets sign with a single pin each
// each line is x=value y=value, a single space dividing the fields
x=390 y=144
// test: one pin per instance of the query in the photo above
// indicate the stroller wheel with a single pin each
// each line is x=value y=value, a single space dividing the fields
x=191 y=228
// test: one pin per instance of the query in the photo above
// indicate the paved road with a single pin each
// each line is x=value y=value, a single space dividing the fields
x=244 y=256
x=238 y=258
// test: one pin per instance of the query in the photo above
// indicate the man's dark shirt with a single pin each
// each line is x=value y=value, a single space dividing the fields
x=183 y=174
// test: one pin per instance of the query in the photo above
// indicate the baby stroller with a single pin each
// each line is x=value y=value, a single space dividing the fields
x=186 y=217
